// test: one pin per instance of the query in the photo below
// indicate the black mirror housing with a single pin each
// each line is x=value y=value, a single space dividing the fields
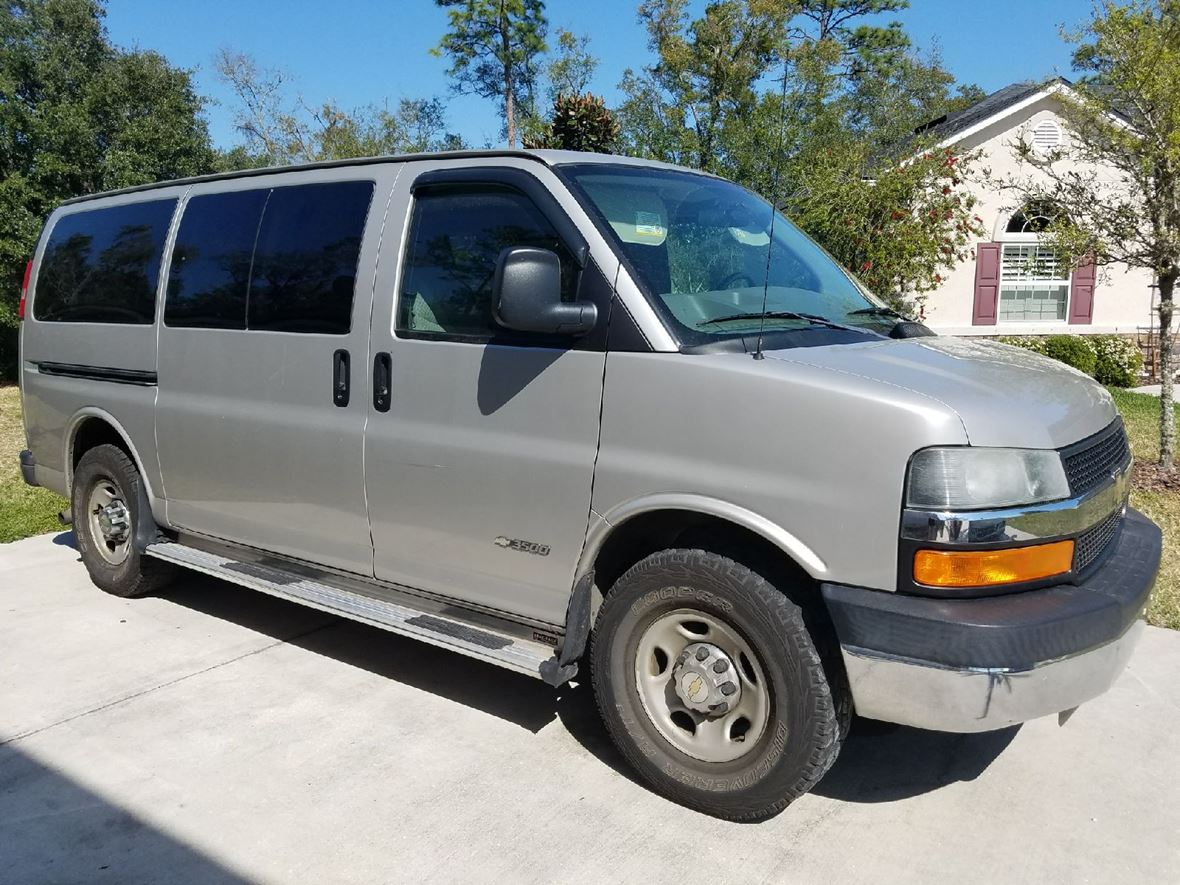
x=527 y=295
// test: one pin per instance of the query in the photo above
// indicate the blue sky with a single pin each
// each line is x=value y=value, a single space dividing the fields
x=364 y=51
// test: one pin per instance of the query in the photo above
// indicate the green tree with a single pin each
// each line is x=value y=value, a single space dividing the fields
x=572 y=67
x=494 y=47
x=866 y=49
x=705 y=77
x=279 y=129
x=77 y=116
x=580 y=123
x=814 y=105
x=900 y=230
x=1116 y=181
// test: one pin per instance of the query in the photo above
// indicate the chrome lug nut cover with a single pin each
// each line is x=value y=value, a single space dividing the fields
x=705 y=680
x=114 y=521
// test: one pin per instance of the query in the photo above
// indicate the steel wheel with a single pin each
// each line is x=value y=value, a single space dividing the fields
x=109 y=522
x=702 y=686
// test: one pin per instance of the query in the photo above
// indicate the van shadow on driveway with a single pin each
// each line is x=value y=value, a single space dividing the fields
x=879 y=763
x=54 y=829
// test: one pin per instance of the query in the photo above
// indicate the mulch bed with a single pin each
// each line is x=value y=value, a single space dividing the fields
x=1154 y=478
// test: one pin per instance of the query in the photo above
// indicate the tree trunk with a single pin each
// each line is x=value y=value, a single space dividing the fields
x=510 y=114
x=1167 y=283
x=509 y=86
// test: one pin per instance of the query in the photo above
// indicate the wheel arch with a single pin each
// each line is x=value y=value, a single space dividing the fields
x=627 y=533
x=633 y=531
x=91 y=426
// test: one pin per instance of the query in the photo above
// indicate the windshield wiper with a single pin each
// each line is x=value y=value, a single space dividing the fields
x=810 y=318
x=876 y=312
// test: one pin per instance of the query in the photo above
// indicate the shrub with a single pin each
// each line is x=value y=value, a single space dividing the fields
x=1073 y=350
x=582 y=123
x=1119 y=360
x=1027 y=342
x=1110 y=359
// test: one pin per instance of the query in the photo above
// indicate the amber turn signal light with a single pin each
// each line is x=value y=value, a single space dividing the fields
x=980 y=568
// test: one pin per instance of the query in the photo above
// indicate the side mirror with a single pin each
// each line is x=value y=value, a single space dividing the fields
x=526 y=293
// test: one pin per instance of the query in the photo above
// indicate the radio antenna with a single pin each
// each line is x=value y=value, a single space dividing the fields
x=774 y=195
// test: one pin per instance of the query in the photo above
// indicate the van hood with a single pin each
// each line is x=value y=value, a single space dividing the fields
x=1004 y=395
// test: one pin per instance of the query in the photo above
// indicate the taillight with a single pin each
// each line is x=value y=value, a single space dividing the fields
x=24 y=290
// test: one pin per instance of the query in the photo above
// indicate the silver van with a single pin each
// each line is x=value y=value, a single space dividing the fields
x=557 y=410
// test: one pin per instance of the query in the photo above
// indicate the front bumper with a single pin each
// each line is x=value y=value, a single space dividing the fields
x=979 y=664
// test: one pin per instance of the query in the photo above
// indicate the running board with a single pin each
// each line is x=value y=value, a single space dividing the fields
x=513 y=652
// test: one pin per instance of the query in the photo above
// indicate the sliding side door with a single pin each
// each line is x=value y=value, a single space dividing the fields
x=263 y=355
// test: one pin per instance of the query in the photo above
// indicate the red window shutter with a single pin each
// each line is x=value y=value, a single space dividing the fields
x=987 y=284
x=1081 y=293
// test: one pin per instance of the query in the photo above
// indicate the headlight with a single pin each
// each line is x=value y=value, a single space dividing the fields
x=967 y=478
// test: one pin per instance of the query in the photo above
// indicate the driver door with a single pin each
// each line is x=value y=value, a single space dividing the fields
x=480 y=457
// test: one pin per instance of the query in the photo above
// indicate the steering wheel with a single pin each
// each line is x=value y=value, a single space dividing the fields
x=728 y=282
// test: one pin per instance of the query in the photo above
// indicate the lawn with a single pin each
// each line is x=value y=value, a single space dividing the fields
x=28 y=511
x=24 y=510
x=1141 y=415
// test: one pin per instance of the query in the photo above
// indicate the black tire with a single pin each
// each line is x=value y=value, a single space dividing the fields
x=807 y=718
x=137 y=574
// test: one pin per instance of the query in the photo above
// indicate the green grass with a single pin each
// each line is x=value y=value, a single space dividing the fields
x=1141 y=414
x=26 y=511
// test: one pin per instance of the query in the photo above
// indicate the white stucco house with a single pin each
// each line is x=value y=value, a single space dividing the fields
x=1014 y=285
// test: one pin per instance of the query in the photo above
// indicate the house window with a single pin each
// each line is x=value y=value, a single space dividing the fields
x=1034 y=284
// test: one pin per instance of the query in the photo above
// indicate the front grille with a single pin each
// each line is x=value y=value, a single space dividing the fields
x=1092 y=461
x=1091 y=543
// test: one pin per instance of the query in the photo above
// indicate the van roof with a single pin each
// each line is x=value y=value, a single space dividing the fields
x=548 y=157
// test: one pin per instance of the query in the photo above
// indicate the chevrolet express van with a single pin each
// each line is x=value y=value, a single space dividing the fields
x=559 y=411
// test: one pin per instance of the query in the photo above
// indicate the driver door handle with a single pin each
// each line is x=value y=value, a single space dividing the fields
x=382 y=381
x=340 y=378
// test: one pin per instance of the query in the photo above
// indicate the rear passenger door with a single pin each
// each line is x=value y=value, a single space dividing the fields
x=263 y=348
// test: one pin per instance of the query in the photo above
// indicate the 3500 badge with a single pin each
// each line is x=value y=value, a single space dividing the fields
x=523 y=546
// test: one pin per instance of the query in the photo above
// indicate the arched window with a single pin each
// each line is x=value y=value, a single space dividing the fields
x=1034 y=282
x=1033 y=218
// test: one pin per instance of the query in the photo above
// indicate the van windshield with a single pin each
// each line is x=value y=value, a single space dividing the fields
x=702 y=249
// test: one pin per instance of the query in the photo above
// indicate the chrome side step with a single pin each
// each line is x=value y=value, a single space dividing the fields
x=482 y=643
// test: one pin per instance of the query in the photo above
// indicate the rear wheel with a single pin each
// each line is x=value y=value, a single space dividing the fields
x=105 y=504
x=711 y=687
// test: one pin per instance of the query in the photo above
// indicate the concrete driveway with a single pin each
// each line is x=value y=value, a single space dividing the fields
x=213 y=734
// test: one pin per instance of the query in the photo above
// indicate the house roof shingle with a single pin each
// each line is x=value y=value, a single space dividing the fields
x=950 y=125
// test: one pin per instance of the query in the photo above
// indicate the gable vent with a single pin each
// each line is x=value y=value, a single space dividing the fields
x=1046 y=136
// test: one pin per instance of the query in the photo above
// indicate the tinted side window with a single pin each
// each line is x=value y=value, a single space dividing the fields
x=102 y=265
x=455 y=239
x=210 y=269
x=306 y=257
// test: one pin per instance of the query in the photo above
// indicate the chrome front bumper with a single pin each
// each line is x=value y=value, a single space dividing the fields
x=982 y=699
x=979 y=664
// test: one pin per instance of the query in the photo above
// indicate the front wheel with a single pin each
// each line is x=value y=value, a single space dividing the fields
x=711 y=687
x=105 y=504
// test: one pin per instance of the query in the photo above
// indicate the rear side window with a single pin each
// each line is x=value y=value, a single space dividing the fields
x=276 y=259
x=455 y=240
x=210 y=270
x=102 y=265
x=305 y=261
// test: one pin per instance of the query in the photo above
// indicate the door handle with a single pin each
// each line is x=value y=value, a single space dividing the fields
x=382 y=381
x=340 y=377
